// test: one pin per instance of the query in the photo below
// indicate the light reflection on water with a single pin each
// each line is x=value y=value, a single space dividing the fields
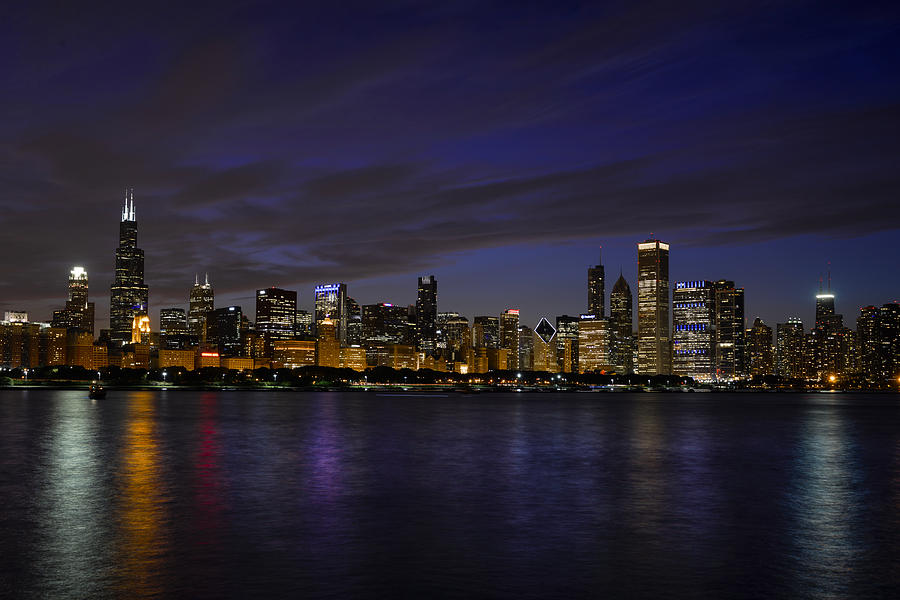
x=141 y=506
x=526 y=496
x=826 y=503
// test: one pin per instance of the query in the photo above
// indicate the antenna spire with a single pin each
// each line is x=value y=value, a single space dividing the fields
x=196 y=279
x=207 y=278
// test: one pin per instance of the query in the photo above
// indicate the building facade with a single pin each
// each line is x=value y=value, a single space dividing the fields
x=654 y=354
x=693 y=330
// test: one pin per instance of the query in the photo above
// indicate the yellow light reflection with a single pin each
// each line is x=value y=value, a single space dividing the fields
x=142 y=540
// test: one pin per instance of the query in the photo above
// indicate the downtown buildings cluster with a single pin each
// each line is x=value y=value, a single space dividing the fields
x=690 y=329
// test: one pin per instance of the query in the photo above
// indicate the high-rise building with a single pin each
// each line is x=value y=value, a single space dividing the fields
x=304 y=325
x=426 y=315
x=331 y=303
x=878 y=334
x=526 y=348
x=760 y=354
x=383 y=323
x=730 y=344
x=693 y=330
x=789 y=360
x=128 y=293
x=276 y=315
x=202 y=301
x=593 y=344
x=621 y=324
x=509 y=336
x=328 y=347
x=545 y=353
x=224 y=329
x=597 y=291
x=173 y=329
x=441 y=329
x=828 y=351
x=654 y=355
x=354 y=324
x=567 y=343
x=486 y=332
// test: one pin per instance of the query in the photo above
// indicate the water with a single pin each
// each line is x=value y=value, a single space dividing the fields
x=336 y=495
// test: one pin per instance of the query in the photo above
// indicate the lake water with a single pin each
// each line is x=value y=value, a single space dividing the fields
x=341 y=495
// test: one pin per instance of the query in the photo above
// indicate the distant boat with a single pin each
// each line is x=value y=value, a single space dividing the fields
x=96 y=391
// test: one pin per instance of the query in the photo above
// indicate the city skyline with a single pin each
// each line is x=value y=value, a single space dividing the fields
x=128 y=230
x=274 y=148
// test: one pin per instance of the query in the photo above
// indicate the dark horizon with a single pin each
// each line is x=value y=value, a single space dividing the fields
x=497 y=148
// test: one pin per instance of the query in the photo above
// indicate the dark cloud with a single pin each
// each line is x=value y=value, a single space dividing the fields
x=270 y=144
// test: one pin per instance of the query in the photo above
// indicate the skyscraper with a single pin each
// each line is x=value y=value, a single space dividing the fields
x=509 y=336
x=486 y=332
x=78 y=313
x=426 y=315
x=654 y=356
x=789 y=360
x=878 y=332
x=354 y=323
x=128 y=293
x=760 y=357
x=693 y=330
x=597 y=290
x=202 y=302
x=224 y=329
x=730 y=347
x=276 y=315
x=593 y=344
x=567 y=343
x=331 y=303
x=621 y=323
x=173 y=329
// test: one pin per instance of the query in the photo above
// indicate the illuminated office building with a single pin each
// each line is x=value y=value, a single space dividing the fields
x=597 y=291
x=567 y=343
x=730 y=343
x=384 y=323
x=693 y=330
x=224 y=330
x=304 y=324
x=509 y=336
x=593 y=344
x=486 y=332
x=526 y=348
x=354 y=324
x=276 y=315
x=173 y=329
x=202 y=300
x=128 y=293
x=328 y=347
x=621 y=324
x=760 y=354
x=789 y=359
x=331 y=303
x=441 y=321
x=544 y=351
x=878 y=334
x=426 y=315
x=654 y=354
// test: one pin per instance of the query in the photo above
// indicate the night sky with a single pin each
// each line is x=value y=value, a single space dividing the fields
x=496 y=146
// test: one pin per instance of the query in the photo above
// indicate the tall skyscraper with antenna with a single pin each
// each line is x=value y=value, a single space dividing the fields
x=128 y=293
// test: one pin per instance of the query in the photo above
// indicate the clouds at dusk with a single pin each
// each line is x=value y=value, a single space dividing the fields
x=302 y=144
